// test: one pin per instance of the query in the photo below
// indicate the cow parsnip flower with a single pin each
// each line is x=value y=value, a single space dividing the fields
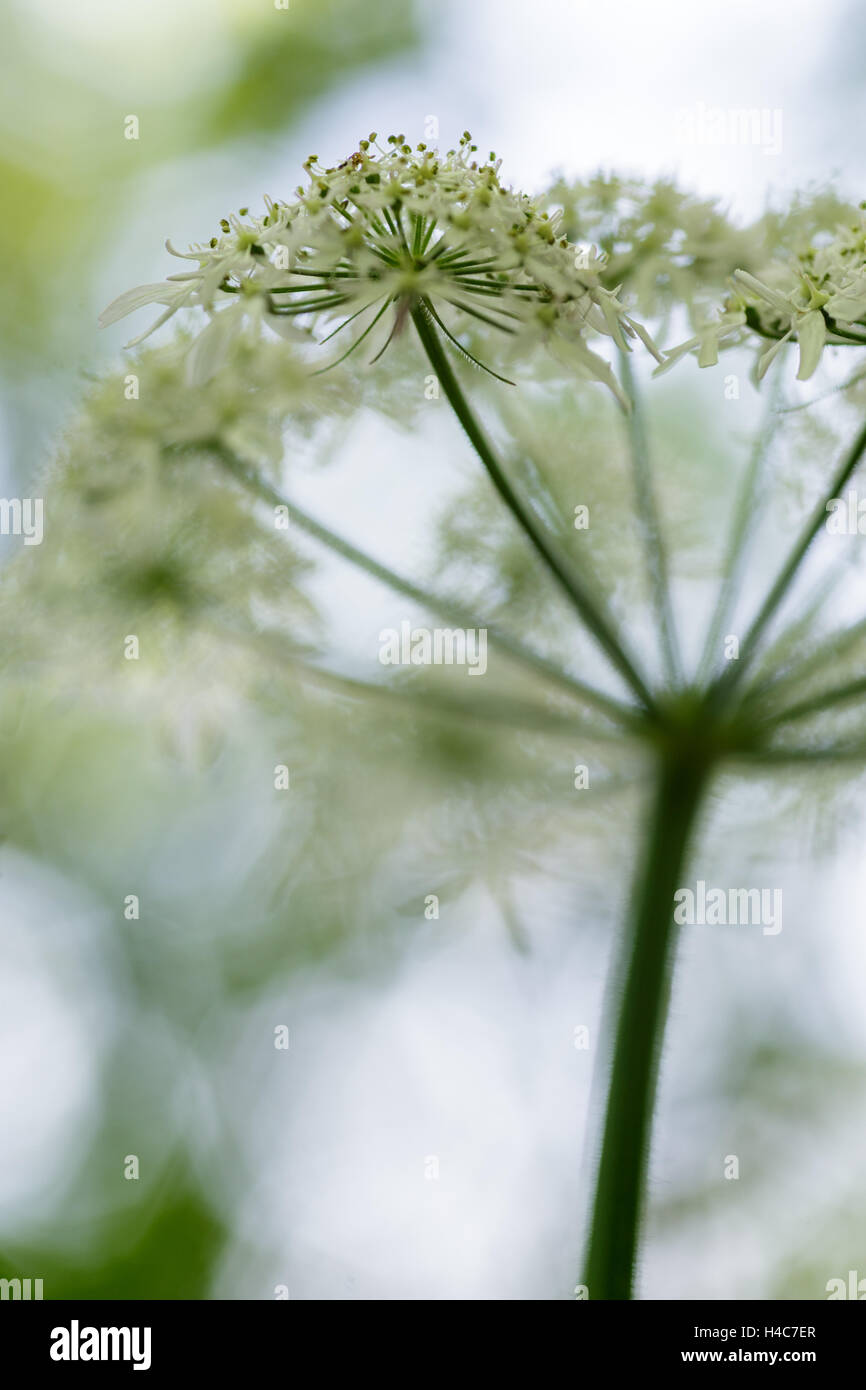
x=389 y=229
x=670 y=249
x=187 y=556
x=666 y=247
x=816 y=298
x=256 y=402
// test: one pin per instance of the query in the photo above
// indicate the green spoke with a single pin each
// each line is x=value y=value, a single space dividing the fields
x=742 y=532
x=593 y=616
x=387 y=343
x=450 y=609
x=777 y=672
x=445 y=254
x=427 y=235
x=429 y=306
x=477 y=314
x=351 y=319
x=417 y=236
x=779 y=591
x=850 y=756
x=655 y=549
x=373 y=220
x=323 y=274
x=327 y=288
x=480 y=287
x=395 y=220
x=500 y=710
x=295 y=310
x=357 y=343
x=816 y=704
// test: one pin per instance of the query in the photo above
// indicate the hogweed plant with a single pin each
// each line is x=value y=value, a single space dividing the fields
x=398 y=241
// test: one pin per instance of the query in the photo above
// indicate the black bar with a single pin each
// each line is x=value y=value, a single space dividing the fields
x=223 y=1337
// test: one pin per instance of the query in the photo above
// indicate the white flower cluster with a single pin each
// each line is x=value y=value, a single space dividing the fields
x=389 y=229
x=816 y=298
x=668 y=248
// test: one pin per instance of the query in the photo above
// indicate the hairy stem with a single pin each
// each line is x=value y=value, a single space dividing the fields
x=644 y=984
x=593 y=616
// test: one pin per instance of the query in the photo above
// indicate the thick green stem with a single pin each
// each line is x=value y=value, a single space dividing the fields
x=644 y=987
x=587 y=606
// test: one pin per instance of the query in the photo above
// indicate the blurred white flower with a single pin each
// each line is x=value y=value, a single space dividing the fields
x=815 y=297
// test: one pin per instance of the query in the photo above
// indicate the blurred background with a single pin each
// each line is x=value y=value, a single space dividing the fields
x=424 y=1132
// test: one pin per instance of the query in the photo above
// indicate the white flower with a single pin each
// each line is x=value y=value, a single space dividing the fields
x=814 y=298
x=166 y=292
x=707 y=340
x=389 y=229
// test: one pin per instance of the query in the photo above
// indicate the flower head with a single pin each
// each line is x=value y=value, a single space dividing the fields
x=387 y=230
x=815 y=297
x=668 y=248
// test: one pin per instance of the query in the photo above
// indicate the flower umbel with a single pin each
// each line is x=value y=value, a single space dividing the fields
x=815 y=298
x=385 y=232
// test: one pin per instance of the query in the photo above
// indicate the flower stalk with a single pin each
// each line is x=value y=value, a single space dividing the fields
x=644 y=984
x=395 y=234
x=592 y=614
x=649 y=522
x=780 y=589
x=622 y=714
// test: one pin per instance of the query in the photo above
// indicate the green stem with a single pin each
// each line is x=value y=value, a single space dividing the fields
x=645 y=988
x=742 y=531
x=649 y=523
x=593 y=616
x=783 y=663
x=849 y=756
x=816 y=704
x=737 y=669
x=500 y=710
x=437 y=603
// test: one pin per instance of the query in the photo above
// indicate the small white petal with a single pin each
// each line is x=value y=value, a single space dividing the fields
x=778 y=301
x=811 y=335
x=130 y=300
x=708 y=353
x=847 y=308
x=645 y=338
x=210 y=349
x=672 y=357
x=766 y=358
